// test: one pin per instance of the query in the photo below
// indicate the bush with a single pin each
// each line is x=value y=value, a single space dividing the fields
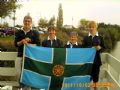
x=111 y=36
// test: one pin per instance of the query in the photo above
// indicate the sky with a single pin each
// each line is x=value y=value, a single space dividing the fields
x=107 y=11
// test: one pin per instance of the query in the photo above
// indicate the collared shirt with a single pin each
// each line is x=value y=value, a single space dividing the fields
x=26 y=31
x=71 y=45
x=94 y=35
x=55 y=38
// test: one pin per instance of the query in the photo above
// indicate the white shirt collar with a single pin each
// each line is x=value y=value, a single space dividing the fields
x=71 y=43
x=26 y=31
x=54 y=38
x=92 y=35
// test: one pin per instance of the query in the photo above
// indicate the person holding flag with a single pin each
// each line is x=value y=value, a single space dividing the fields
x=52 y=41
x=94 y=40
x=26 y=35
x=73 y=41
x=23 y=37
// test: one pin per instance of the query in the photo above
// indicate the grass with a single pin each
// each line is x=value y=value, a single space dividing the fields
x=7 y=43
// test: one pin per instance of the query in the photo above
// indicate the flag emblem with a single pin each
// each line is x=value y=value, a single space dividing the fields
x=58 y=70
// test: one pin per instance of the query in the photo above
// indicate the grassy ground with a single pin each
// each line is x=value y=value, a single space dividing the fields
x=7 y=43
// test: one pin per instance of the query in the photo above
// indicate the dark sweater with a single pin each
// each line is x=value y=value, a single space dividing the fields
x=19 y=35
x=89 y=42
x=55 y=43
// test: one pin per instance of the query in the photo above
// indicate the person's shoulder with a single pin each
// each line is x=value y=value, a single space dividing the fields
x=58 y=40
x=79 y=45
x=85 y=37
x=35 y=31
x=44 y=41
x=18 y=31
x=67 y=46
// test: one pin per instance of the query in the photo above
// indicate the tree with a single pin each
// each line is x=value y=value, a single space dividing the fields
x=6 y=24
x=51 y=21
x=43 y=23
x=7 y=7
x=83 y=23
x=60 y=17
x=110 y=33
x=18 y=26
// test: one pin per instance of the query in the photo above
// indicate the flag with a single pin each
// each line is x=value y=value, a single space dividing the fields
x=57 y=68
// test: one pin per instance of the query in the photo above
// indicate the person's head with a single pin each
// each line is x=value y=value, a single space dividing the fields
x=92 y=25
x=73 y=37
x=51 y=31
x=27 y=21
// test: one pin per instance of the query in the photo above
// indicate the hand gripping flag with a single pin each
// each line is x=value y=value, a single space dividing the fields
x=57 y=68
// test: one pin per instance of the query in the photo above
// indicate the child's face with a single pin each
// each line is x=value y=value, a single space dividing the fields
x=27 y=23
x=52 y=32
x=92 y=28
x=73 y=38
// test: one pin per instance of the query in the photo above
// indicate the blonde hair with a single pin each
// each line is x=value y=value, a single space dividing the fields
x=92 y=23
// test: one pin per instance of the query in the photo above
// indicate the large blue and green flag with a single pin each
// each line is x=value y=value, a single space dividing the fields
x=57 y=68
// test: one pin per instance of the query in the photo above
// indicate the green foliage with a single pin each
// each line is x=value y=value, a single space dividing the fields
x=5 y=24
x=43 y=23
x=19 y=26
x=60 y=17
x=51 y=21
x=7 y=43
x=107 y=38
x=84 y=22
x=7 y=6
x=110 y=33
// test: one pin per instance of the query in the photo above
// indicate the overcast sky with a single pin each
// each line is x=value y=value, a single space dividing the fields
x=107 y=11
